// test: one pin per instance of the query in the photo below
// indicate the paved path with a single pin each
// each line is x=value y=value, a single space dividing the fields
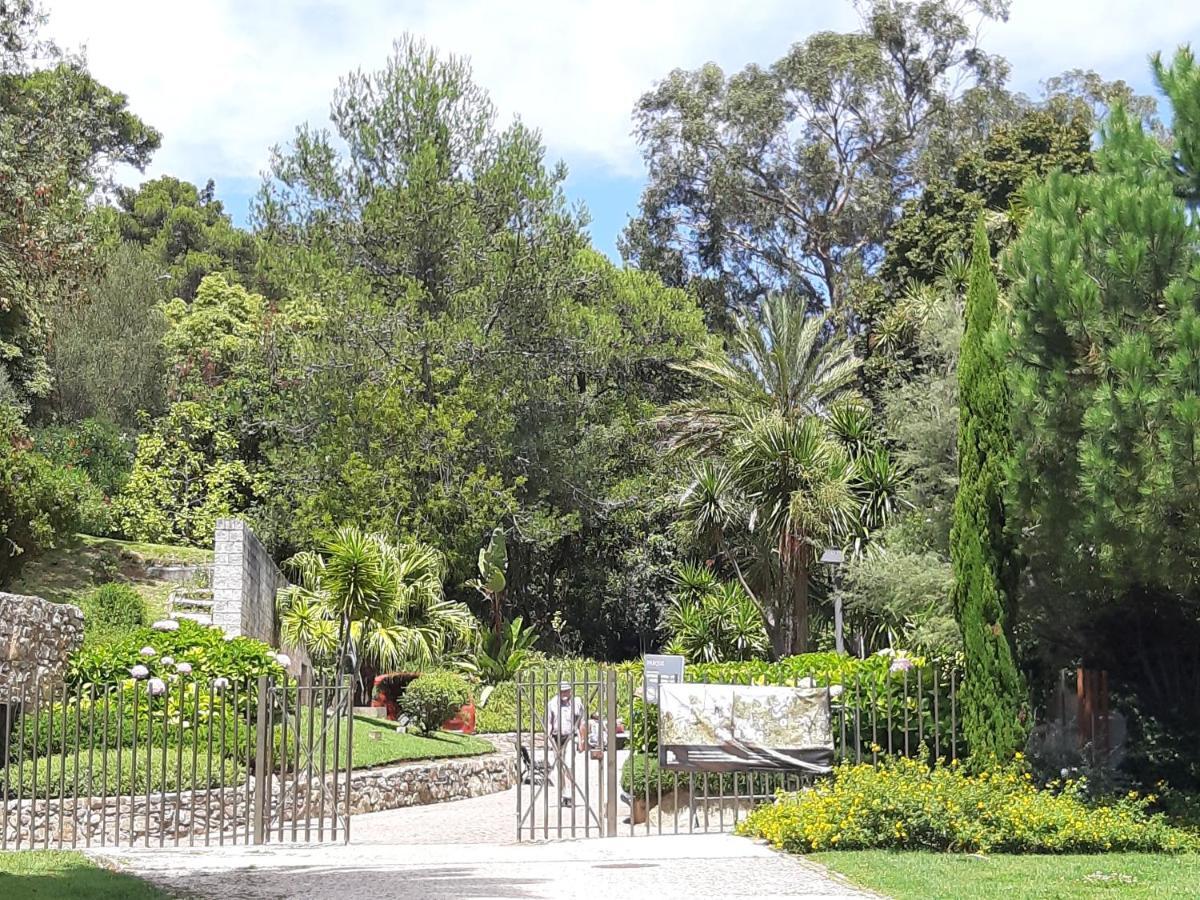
x=696 y=867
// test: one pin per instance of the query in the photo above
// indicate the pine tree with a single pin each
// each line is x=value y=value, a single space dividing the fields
x=993 y=692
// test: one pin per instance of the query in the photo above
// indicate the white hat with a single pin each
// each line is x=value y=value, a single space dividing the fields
x=564 y=685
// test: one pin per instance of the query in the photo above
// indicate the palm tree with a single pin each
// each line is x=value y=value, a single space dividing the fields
x=362 y=597
x=781 y=445
x=788 y=364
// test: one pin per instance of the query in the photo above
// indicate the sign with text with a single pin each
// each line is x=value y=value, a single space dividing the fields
x=729 y=727
x=660 y=669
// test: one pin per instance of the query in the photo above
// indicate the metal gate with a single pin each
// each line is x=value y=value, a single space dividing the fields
x=179 y=762
x=616 y=785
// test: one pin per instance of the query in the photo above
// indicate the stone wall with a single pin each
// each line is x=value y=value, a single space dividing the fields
x=36 y=639
x=206 y=815
x=244 y=582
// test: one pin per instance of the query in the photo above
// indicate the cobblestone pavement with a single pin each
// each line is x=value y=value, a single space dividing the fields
x=698 y=867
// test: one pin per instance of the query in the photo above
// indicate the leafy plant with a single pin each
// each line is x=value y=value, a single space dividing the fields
x=380 y=602
x=710 y=621
x=110 y=611
x=906 y=805
x=493 y=569
x=432 y=699
x=505 y=653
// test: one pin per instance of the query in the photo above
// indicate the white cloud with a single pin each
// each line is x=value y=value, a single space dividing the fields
x=224 y=80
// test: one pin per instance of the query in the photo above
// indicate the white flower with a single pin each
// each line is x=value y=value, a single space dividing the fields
x=165 y=625
x=168 y=660
x=139 y=671
x=183 y=668
x=220 y=684
x=157 y=686
x=230 y=637
x=901 y=664
x=148 y=651
x=283 y=659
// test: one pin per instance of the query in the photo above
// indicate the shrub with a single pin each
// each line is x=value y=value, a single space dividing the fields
x=113 y=605
x=432 y=699
x=642 y=777
x=503 y=655
x=204 y=648
x=905 y=805
x=709 y=620
x=83 y=778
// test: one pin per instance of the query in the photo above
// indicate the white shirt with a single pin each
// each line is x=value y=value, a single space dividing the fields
x=563 y=718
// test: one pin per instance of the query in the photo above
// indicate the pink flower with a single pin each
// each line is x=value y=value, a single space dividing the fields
x=901 y=664
x=184 y=668
x=168 y=660
x=157 y=686
x=139 y=671
x=220 y=684
x=165 y=625
x=148 y=651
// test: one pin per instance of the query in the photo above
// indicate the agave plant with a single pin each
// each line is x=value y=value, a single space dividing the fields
x=362 y=597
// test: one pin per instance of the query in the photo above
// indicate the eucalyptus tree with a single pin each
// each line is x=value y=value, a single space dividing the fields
x=789 y=177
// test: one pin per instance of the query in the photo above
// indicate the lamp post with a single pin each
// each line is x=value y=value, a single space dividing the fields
x=834 y=557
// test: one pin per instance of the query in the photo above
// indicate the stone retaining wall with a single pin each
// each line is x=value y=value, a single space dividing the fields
x=36 y=639
x=185 y=819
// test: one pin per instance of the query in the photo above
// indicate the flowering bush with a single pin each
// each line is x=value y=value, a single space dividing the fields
x=903 y=804
x=203 y=651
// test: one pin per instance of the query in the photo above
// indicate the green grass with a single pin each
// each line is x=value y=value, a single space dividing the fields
x=948 y=876
x=62 y=574
x=60 y=875
x=395 y=746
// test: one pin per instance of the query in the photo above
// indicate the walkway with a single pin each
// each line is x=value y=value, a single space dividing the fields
x=697 y=867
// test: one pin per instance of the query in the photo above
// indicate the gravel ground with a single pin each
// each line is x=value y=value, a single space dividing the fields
x=699 y=867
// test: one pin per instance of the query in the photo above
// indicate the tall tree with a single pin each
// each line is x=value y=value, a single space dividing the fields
x=789 y=178
x=184 y=230
x=993 y=694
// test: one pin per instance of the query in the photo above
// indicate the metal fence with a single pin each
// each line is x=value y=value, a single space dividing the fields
x=616 y=784
x=175 y=762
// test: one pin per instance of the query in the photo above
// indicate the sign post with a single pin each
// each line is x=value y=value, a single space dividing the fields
x=659 y=669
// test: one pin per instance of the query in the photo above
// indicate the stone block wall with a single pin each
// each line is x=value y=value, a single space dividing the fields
x=244 y=582
x=36 y=639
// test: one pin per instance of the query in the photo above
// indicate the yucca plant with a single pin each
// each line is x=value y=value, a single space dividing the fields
x=365 y=598
x=711 y=621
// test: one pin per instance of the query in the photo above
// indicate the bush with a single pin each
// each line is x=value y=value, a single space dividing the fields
x=432 y=699
x=83 y=779
x=113 y=605
x=709 y=620
x=204 y=648
x=905 y=805
x=642 y=777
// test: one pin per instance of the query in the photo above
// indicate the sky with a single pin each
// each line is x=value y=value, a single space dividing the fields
x=225 y=80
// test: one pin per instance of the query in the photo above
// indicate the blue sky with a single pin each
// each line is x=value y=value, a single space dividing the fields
x=224 y=80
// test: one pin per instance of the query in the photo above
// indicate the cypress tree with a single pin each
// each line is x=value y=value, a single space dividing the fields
x=993 y=692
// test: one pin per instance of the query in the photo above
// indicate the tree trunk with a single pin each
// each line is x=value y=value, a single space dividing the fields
x=799 y=616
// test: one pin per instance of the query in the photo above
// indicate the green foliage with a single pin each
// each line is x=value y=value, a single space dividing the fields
x=100 y=449
x=105 y=357
x=136 y=771
x=187 y=473
x=433 y=699
x=204 y=648
x=906 y=595
x=641 y=777
x=498 y=715
x=789 y=177
x=713 y=622
x=905 y=805
x=493 y=567
x=110 y=610
x=993 y=697
x=381 y=600
x=503 y=655
x=184 y=231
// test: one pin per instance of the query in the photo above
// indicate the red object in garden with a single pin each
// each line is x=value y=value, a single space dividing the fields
x=388 y=689
x=464 y=722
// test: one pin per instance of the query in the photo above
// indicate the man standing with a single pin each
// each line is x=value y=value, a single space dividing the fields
x=566 y=720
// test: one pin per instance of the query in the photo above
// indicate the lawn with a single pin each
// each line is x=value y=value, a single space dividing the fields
x=62 y=574
x=948 y=876
x=50 y=875
x=393 y=746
